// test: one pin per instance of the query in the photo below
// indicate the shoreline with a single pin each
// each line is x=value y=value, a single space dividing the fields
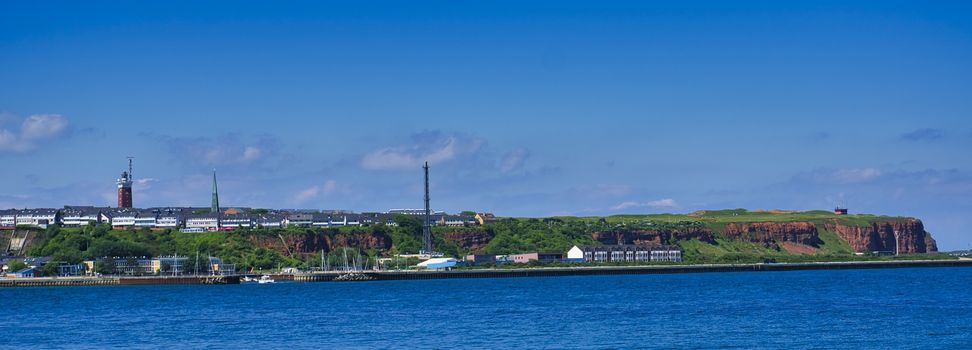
x=480 y=273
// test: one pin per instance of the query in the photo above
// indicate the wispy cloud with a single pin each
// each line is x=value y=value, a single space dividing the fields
x=659 y=203
x=33 y=132
x=514 y=160
x=432 y=146
x=924 y=135
x=315 y=191
x=223 y=150
x=824 y=176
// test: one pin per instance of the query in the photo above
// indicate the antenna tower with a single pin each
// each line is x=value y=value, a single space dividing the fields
x=427 y=225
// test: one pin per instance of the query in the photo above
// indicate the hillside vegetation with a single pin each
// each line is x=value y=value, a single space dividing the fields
x=700 y=234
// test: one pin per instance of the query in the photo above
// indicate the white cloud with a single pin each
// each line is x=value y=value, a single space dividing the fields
x=433 y=147
x=302 y=196
x=307 y=194
x=660 y=203
x=251 y=153
x=34 y=131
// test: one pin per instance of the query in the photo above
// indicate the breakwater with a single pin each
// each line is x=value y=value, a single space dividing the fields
x=618 y=270
x=110 y=281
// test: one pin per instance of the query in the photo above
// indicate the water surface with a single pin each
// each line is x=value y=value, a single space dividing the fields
x=904 y=308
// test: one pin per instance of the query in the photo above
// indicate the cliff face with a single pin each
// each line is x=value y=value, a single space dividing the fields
x=880 y=236
x=653 y=237
x=473 y=241
x=309 y=243
x=772 y=234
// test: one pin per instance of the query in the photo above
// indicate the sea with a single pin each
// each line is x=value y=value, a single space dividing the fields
x=907 y=308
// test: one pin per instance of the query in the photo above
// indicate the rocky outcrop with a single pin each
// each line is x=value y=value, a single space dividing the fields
x=314 y=242
x=473 y=241
x=773 y=234
x=653 y=237
x=880 y=236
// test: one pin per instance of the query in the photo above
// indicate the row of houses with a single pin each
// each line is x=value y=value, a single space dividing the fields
x=628 y=253
x=196 y=219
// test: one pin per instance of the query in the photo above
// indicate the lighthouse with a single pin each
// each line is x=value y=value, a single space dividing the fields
x=125 y=187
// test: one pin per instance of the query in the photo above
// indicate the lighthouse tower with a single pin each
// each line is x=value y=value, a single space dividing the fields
x=125 y=187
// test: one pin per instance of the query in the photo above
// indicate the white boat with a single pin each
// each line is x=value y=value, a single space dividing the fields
x=265 y=279
x=248 y=279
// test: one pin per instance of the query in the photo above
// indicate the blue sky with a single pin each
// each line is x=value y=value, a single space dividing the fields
x=523 y=108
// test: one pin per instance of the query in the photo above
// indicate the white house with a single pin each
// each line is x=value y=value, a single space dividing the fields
x=236 y=220
x=169 y=220
x=120 y=217
x=268 y=220
x=146 y=218
x=203 y=221
x=8 y=218
x=80 y=216
x=38 y=217
x=575 y=253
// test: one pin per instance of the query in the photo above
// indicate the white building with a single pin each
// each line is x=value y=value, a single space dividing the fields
x=147 y=219
x=169 y=220
x=38 y=217
x=625 y=253
x=203 y=221
x=80 y=216
x=8 y=218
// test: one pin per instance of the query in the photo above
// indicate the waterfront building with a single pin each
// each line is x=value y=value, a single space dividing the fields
x=625 y=253
x=29 y=272
x=476 y=259
x=541 y=257
x=438 y=264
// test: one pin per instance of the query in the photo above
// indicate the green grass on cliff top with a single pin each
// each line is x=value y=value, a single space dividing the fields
x=716 y=219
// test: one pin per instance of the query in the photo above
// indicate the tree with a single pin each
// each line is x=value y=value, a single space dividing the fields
x=50 y=268
x=104 y=268
x=16 y=265
x=468 y=213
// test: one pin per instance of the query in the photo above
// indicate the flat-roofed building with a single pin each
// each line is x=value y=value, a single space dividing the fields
x=625 y=253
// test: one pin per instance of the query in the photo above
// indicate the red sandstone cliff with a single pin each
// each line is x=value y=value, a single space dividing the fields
x=308 y=243
x=473 y=241
x=653 y=236
x=772 y=234
x=880 y=236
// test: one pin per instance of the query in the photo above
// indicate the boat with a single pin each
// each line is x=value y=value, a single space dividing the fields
x=265 y=279
x=248 y=279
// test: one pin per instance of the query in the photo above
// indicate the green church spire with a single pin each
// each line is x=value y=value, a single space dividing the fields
x=215 y=205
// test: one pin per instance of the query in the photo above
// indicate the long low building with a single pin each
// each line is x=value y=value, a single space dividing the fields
x=625 y=253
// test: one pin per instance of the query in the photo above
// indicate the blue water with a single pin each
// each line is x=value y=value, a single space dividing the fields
x=903 y=308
